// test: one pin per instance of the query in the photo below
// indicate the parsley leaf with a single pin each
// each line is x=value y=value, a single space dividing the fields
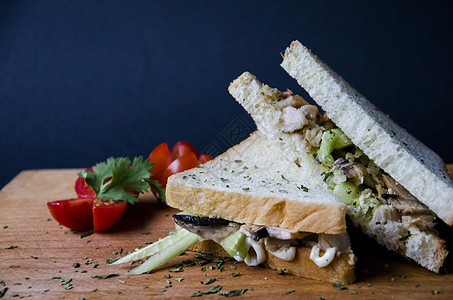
x=115 y=178
x=157 y=189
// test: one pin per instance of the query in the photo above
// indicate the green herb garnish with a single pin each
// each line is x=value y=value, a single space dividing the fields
x=339 y=286
x=115 y=178
x=213 y=290
x=105 y=276
x=208 y=281
x=233 y=292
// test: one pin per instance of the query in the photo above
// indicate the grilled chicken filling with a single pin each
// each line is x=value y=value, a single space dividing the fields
x=376 y=195
x=260 y=240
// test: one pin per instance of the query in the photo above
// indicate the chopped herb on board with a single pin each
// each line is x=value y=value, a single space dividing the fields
x=213 y=290
x=178 y=269
x=3 y=292
x=289 y=292
x=208 y=281
x=233 y=292
x=87 y=233
x=339 y=286
x=105 y=276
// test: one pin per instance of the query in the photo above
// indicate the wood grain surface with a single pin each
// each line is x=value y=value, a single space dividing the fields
x=38 y=257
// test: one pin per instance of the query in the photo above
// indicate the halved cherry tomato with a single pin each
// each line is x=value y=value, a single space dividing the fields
x=84 y=213
x=107 y=213
x=82 y=189
x=185 y=162
x=204 y=158
x=161 y=158
x=182 y=147
x=75 y=213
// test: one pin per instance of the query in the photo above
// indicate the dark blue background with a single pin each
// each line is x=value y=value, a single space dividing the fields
x=84 y=80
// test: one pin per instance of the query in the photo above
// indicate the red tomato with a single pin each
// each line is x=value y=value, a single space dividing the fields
x=82 y=189
x=107 y=213
x=182 y=147
x=83 y=213
x=204 y=158
x=161 y=158
x=185 y=162
x=76 y=214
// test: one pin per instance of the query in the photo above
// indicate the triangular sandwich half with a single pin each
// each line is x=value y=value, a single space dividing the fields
x=249 y=203
x=393 y=185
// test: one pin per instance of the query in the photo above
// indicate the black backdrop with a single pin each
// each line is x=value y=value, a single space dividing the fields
x=84 y=80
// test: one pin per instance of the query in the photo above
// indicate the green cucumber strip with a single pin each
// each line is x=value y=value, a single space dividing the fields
x=161 y=245
x=172 y=246
x=234 y=245
x=347 y=192
x=331 y=140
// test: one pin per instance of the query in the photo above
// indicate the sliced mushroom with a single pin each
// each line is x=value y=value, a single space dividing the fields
x=405 y=202
x=214 y=229
x=285 y=234
x=282 y=249
x=418 y=222
x=253 y=231
x=256 y=253
x=339 y=241
x=324 y=260
x=384 y=213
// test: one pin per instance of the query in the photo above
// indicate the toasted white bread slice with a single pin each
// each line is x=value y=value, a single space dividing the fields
x=423 y=246
x=391 y=147
x=252 y=183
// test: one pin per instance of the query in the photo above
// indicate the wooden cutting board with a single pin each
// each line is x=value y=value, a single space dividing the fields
x=38 y=257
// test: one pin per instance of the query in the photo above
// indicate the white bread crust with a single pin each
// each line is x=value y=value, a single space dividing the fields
x=421 y=171
x=426 y=248
x=204 y=190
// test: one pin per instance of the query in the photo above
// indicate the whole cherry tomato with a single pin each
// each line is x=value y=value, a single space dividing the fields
x=161 y=158
x=204 y=158
x=183 y=156
x=185 y=162
x=182 y=147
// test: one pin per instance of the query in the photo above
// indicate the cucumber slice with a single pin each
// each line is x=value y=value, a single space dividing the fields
x=331 y=140
x=234 y=245
x=162 y=250
x=347 y=192
x=172 y=246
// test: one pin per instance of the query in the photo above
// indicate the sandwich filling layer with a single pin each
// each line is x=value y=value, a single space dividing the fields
x=375 y=201
x=251 y=243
